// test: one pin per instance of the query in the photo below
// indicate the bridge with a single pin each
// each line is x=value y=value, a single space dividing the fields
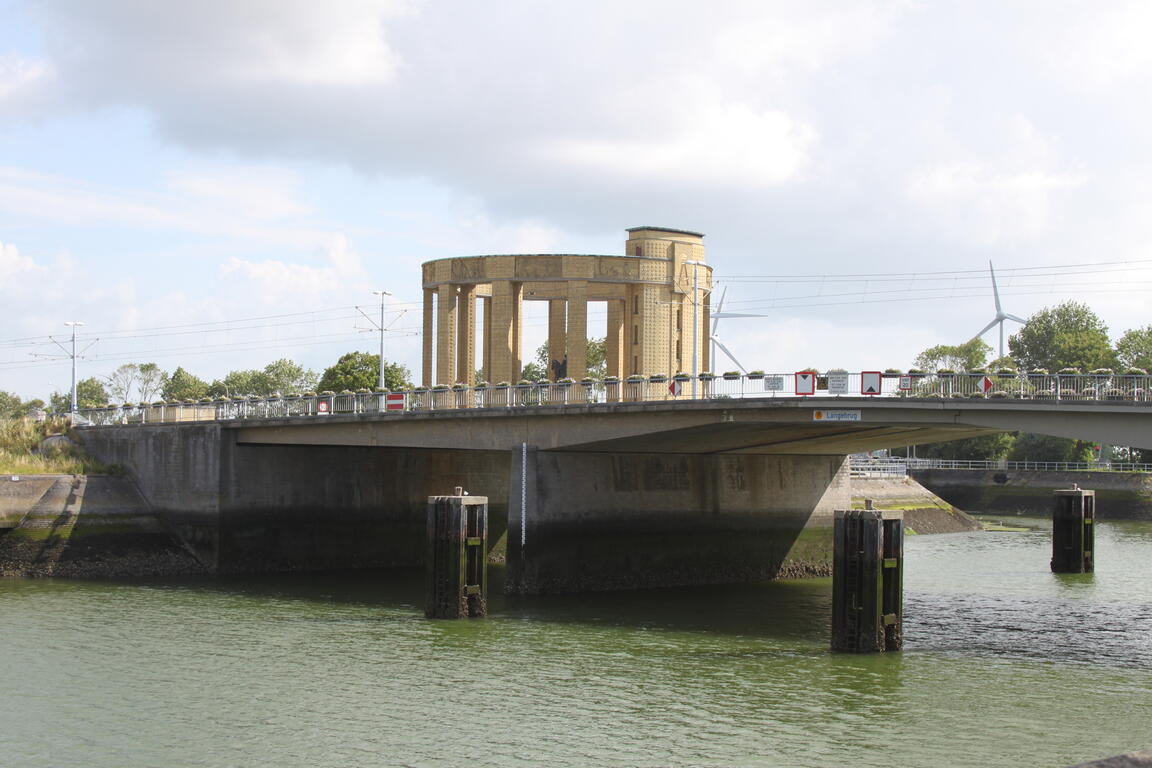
x=629 y=484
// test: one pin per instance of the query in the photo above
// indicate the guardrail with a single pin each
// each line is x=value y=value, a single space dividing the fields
x=898 y=467
x=1037 y=387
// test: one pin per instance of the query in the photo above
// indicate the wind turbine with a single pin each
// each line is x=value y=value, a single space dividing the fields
x=1001 y=315
x=716 y=316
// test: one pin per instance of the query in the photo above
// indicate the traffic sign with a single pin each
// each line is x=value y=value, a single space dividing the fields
x=837 y=383
x=985 y=385
x=805 y=382
x=394 y=401
x=674 y=387
x=322 y=407
x=870 y=382
x=905 y=383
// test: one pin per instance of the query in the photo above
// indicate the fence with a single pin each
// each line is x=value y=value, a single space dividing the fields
x=898 y=467
x=823 y=387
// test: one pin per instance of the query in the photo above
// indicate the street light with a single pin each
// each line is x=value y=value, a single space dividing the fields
x=382 y=295
x=73 y=324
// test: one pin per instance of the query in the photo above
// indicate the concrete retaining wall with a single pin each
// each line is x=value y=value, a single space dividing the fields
x=1119 y=495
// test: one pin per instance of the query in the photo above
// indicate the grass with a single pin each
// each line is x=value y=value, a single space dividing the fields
x=20 y=452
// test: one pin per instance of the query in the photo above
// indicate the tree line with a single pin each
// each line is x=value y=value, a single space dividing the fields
x=147 y=382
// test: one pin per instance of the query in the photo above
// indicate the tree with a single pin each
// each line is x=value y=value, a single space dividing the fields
x=1069 y=335
x=284 y=376
x=361 y=370
x=959 y=357
x=1134 y=350
x=237 y=383
x=596 y=355
x=1032 y=447
x=12 y=407
x=182 y=385
x=90 y=393
x=982 y=448
x=136 y=382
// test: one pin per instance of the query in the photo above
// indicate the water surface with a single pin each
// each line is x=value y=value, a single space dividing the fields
x=1005 y=664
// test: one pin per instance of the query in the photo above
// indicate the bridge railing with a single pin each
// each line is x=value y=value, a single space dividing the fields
x=878 y=467
x=1054 y=388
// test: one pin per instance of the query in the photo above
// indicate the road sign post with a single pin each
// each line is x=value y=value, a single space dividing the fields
x=871 y=382
x=805 y=382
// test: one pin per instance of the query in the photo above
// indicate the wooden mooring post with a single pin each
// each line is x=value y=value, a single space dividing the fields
x=868 y=581
x=455 y=561
x=1073 y=531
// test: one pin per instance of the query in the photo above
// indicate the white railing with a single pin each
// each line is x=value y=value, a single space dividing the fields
x=1054 y=388
x=899 y=467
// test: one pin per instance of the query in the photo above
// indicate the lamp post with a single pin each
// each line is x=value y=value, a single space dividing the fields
x=382 y=295
x=73 y=324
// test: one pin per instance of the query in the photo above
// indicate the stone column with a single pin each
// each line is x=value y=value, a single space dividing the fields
x=466 y=340
x=446 y=335
x=577 y=336
x=429 y=330
x=557 y=340
x=505 y=331
x=486 y=305
x=614 y=342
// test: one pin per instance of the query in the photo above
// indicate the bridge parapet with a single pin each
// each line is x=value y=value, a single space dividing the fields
x=825 y=389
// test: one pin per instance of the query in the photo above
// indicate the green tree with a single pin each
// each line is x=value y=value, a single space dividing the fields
x=90 y=393
x=1069 y=335
x=284 y=376
x=12 y=407
x=358 y=370
x=182 y=385
x=959 y=357
x=238 y=384
x=136 y=382
x=596 y=355
x=1033 y=447
x=982 y=448
x=1135 y=348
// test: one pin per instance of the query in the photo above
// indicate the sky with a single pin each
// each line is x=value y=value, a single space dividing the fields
x=219 y=184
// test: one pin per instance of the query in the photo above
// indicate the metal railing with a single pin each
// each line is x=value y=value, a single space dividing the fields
x=899 y=467
x=824 y=387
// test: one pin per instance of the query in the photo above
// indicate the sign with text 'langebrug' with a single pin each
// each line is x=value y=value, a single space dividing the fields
x=835 y=414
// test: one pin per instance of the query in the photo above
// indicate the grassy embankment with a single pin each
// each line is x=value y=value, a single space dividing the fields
x=20 y=452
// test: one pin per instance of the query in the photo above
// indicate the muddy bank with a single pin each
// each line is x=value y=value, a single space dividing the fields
x=84 y=526
x=924 y=511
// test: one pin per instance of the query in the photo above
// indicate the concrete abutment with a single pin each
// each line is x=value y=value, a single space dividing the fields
x=593 y=521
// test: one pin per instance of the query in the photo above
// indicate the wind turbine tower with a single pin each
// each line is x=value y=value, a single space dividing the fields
x=1001 y=315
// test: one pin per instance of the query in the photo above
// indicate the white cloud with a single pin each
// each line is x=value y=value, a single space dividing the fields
x=275 y=282
x=14 y=267
x=21 y=79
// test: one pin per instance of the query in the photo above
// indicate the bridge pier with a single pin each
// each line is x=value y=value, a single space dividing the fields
x=455 y=560
x=868 y=581
x=584 y=521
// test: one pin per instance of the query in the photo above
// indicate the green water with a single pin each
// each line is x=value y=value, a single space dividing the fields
x=1005 y=665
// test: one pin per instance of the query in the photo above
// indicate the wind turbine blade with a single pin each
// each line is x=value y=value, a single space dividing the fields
x=719 y=313
x=726 y=351
x=987 y=328
x=995 y=290
x=1013 y=317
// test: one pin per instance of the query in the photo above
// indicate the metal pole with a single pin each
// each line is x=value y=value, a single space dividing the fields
x=695 y=330
x=382 y=294
x=73 y=323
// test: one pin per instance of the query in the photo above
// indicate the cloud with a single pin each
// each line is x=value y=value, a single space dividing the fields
x=275 y=282
x=23 y=82
x=14 y=267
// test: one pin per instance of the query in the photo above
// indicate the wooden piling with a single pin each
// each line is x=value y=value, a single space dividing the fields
x=1073 y=531
x=455 y=561
x=868 y=581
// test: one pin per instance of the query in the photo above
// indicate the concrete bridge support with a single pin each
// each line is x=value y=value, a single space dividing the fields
x=600 y=521
x=588 y=521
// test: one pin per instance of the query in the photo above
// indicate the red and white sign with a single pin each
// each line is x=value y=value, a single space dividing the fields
x=322 y=407
x=395 y=401
x=675 y=387
x=805 y=383
x=986 y=385
x=905 y=383
x=871 y=382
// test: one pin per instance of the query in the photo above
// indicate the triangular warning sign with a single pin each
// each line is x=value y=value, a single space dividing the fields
x=871 y=390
